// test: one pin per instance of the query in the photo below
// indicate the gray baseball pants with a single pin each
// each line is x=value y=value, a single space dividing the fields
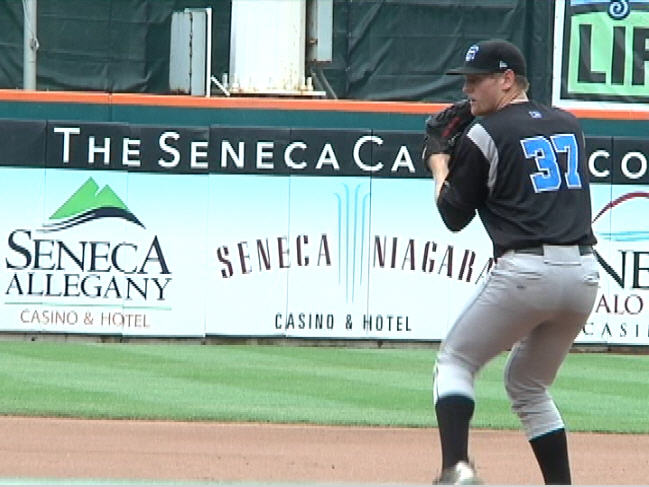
x=534 y=305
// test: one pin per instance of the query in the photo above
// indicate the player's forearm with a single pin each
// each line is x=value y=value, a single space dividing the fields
x=438 y=164
x=453 y=216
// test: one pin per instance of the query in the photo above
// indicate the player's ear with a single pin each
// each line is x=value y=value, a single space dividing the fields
x=508 y=79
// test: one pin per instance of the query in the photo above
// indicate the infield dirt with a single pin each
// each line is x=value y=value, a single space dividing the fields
x=53 y=448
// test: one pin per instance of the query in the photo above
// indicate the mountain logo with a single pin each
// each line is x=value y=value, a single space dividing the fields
x=89 y=203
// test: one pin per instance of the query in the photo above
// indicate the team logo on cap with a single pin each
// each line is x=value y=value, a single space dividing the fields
x=503 y=65
x=471 y=53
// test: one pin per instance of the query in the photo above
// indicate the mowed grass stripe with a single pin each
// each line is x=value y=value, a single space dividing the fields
x=595 y=392
x=191 y=382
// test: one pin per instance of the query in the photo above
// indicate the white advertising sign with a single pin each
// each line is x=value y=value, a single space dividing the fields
x=241 y=232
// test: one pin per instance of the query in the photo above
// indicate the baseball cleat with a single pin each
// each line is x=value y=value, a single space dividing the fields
x=462 y=473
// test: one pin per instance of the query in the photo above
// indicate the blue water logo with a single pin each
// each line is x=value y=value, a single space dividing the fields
x=626 y=235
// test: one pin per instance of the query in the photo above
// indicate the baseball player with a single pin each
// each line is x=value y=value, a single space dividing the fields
x=521 y=166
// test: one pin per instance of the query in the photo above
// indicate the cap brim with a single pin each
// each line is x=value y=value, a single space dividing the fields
x=468 y=70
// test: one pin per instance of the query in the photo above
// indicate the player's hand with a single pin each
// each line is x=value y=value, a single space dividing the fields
x=444 y=128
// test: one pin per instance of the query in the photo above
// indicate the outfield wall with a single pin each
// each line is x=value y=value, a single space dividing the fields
x=173 y=230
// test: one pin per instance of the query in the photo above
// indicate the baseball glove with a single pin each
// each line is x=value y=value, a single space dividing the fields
x=444 y=128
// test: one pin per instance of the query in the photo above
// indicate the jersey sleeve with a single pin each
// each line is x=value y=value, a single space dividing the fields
x=465 y=188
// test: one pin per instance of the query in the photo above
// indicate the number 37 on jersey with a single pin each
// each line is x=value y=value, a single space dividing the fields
x=545 y=152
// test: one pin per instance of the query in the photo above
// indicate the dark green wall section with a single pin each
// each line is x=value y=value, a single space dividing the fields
x=175 y=116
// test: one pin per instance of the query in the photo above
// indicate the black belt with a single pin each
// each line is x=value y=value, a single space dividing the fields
x=583 y=250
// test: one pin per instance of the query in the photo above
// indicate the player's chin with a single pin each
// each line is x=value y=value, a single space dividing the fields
x=478 y=109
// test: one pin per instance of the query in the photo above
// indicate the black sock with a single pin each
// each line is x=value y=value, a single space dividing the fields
x=551 y=451
x=453 y=416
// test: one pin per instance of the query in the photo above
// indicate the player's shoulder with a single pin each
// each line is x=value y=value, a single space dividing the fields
x=556 y=114
x=491 y=126
x=561 y=113
x=517 y=117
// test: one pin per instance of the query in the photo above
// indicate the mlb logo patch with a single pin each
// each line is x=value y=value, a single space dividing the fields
x=470 y=54
x=535 y=114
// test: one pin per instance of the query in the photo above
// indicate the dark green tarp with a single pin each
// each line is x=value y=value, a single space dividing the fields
x=399 y=49
x=103 y=45
x=383 y=49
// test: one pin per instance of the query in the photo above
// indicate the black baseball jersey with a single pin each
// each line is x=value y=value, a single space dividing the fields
x=523 y=169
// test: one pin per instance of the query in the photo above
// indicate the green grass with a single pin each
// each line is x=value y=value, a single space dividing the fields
x=595 y=392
